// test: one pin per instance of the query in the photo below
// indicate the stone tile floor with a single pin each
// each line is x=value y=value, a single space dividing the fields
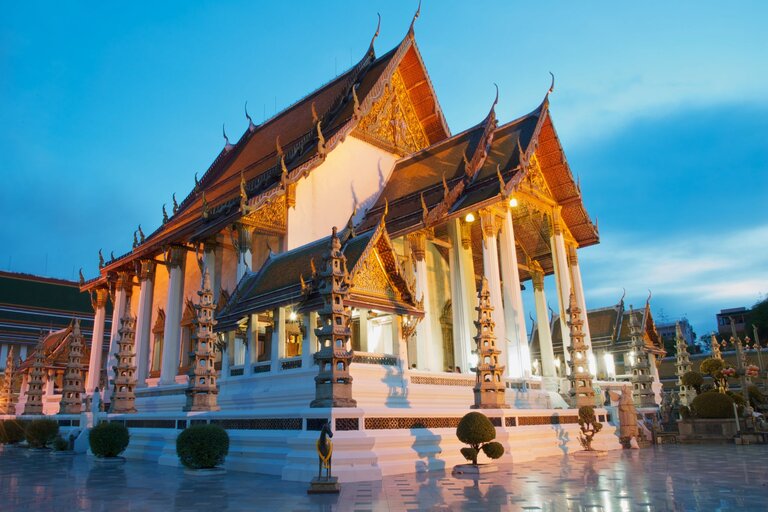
x=670 y=477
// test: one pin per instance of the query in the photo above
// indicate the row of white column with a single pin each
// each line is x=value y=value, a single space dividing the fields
x=501 y=269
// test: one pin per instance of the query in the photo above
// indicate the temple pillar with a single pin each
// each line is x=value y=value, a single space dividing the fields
x=578 y=289
x=144 y=320
x=562 y=281
x=542 y=323
x=363 y=319
x=50 y=381
x=461 y=270
x=251 y=337
x=491 y=272
x=123 y=286
x=401 y=343
x=212 y=262
x=224 y=349
x=424 y=334
x=97 y=340
x=23 y=349
x=519 y=358
x=169 y=365
x=309 y=340
x=3 y=355
x=243 y=248
x=278 y=339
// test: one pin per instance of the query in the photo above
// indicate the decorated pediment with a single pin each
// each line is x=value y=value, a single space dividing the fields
x=392 y=121
x=270 y=218
x=370 y=278
x=534 y=180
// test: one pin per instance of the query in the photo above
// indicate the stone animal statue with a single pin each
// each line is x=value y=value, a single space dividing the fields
x=324 y=447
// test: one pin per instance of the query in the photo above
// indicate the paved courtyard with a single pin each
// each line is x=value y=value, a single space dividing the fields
x=672 y=477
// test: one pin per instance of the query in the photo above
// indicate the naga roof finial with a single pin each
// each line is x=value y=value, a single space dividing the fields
x=375 y=34
x=197 y=182
x=320 y=140
x=424 y=209
x=227 y=145
x=141 y=235
x=135 y=240
x=205 y=207
x=82 y=277
x=386 y=208
x=101 y=259
x=251 y=126
x=278 y=147
x=356 y=103
x=112 y=255
x=502 y=185
x=175 y=204
x=415 y=16
x=446 y=190
x=243 y=195
x=165 y=214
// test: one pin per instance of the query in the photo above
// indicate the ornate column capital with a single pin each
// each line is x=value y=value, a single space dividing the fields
x=557 y=221
x=242 y=236
x=537 y=275
x=418 y=243
x=100 y=298
x=488 y=223
x=146 y=270
x=466 y=234
x=174 y=256
x=573 y=258
x=124 y=281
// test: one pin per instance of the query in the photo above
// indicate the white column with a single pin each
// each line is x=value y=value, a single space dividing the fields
x=251 y=348
x=519 y=359
x=97 y=340
x=578 y=289
x=309 y=341
x=122 y=286
x=363 y=319
x=491 y=272
x=144 y=321
x=169 y=365
x=224 y=374
x=278 y=339
x=460 y=299
x=23 y=348
x=424 y=335
x=243 y=248
x=3 y=355
x=212 y=261
x=542 y=323
x=563 y=282
x=401 y=348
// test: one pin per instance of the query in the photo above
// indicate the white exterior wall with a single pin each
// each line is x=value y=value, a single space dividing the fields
x=354 y=174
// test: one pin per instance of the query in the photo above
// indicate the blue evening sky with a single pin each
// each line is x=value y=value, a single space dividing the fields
x=662 y=107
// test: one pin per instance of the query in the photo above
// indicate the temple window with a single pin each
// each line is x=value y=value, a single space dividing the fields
x=262 y=333
x=238 y=345
x=187 y=326
x=294 y=333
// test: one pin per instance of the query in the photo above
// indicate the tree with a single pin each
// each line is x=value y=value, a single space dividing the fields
x=589 y=426
x=476 y=430
x=759 y=317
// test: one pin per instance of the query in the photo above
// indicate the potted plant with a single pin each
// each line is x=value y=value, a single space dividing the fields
x=108 y=441
x=202 y=448
x=40 y=433
x=589 y=426
x=476 y=430
x=11 y=432
x=693 y=379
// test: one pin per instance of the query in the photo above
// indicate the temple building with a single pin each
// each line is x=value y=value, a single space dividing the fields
x=612 y=344
x=32 y=304
x=345 y=243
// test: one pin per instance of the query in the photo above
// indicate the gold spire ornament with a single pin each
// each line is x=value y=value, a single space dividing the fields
x=123 y=395
x=489 y=387
x=34 y=405
x=73 y=390
x=7 y=396
x=202 y=391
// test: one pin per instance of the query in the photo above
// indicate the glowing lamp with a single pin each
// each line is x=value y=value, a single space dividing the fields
x=470 y=217
x=513 y=202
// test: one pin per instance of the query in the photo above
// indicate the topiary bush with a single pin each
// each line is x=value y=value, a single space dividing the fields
x=713 y=405
x=11 y=432
x=202 y=446
x=108 y=439
x=60 y=444
x=41 y=433
x=756 y=396
x=685 y=412
x=476 y=430
x=693 y=379
x=588 y=425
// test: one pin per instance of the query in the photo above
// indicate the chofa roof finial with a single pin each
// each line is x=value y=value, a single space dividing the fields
x=552 y=85
x=375 y=34
x=415 y=16
x=227 y=145
x=251 y=126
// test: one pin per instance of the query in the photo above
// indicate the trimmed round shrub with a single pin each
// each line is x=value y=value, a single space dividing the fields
x=60 y=444
x=41 y=433
x=693 y=379
x=476 y=430
x=756 y=396
x=711 y=366
x=108 y=439
x=713 y=405
x=202 y=446
x=11 y=432
x=493 y=450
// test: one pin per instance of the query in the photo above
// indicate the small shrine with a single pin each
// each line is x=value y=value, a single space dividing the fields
x=333 y=383
x=7 y=396
x=489 y=388
x=73 y=389
x=581 y=378
x=202 y=391
x=124 y=397
x=641 y=378
x=34 y=404
x=683 y=365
